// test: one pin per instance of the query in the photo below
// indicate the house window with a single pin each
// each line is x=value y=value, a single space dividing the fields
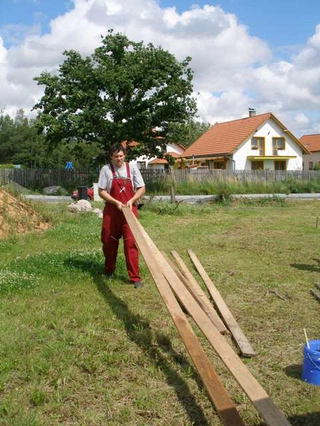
x=218 y=165
x=257 y=165
x=278 y=144
x=258 y=144
x=141 y=165
x=310 y=165
x=280 y=165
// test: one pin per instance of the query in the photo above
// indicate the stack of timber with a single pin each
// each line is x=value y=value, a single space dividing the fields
x=175 y=287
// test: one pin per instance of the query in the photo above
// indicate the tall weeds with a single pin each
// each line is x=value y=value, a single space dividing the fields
x=224 y=188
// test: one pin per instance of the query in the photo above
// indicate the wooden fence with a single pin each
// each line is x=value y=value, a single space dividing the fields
x=41 y=178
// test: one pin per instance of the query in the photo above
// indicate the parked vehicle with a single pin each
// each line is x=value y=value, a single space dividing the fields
x=90 y=194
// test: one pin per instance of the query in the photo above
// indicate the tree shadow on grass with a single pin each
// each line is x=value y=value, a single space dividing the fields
x=307 y=266
x=155 y=345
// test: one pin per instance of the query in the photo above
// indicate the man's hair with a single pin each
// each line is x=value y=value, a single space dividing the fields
x=115 y=148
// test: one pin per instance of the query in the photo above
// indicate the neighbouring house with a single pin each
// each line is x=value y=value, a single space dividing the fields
x=256 y=142
x=312 y=143
x=174 y=150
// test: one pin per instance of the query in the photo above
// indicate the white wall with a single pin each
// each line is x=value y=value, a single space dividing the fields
x=170 y=147
x=96 y=196
x=269 y=130
x=173 y=147
x=157 y=167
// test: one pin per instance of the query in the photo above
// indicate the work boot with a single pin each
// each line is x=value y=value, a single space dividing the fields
x=138 y=284
x=109 y=275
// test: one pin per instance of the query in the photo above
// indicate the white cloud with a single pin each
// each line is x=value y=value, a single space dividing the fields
x=232 y=70
x=221 y=107
x=301 y=118
x=309 y=55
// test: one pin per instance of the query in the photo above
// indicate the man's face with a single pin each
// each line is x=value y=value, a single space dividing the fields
x=118 y=158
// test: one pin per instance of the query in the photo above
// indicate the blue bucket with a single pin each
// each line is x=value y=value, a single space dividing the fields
x=311 y=363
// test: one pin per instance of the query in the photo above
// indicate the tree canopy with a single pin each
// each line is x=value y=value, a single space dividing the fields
x=186 y=133
x=21 y=144
x=19 y=141
x=124 y=91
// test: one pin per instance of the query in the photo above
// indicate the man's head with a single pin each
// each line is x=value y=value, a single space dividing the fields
x=117 y=154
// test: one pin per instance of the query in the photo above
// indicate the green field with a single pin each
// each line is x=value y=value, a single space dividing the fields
x=79 y=349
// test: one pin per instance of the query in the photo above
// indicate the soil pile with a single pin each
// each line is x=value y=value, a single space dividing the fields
x=17 y=217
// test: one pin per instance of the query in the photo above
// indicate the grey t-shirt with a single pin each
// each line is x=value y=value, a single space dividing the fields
x=105 y=177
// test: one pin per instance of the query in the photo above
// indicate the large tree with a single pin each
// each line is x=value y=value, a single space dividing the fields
x=186 y=133
x=19 y=141
x=124 y=91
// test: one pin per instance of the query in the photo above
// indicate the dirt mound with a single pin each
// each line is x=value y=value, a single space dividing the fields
x=17 y=217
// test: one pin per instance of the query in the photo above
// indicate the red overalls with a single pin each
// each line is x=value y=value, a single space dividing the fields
x=114 y=227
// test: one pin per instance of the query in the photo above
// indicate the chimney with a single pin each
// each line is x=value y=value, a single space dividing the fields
x=252 y=112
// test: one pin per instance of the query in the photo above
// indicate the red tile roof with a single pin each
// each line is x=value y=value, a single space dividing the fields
x=224 y=138
x=163 y=160
x=311 y=142
x=159 y=161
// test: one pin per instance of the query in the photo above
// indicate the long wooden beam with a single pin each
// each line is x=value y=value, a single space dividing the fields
x=200 y=298
x=315 y=294
x=217 y=393
x=238 y=335
x=261 y=400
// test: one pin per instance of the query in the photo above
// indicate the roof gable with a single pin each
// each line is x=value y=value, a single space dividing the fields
x=224 y=138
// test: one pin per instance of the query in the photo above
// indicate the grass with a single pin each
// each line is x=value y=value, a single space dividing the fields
x=79 y=349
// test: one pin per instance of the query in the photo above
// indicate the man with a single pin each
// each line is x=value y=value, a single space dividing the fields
x=120 y=185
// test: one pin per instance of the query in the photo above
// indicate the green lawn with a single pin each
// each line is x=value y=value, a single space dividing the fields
x=79 y=349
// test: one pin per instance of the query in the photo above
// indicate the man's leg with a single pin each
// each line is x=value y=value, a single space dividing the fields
x=131 y=254
x=110 y=243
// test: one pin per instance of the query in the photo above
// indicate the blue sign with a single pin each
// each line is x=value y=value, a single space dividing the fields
x=69 y=165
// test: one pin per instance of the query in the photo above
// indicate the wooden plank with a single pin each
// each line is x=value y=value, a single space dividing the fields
x=238 y=335
x=261 y=400
x=200 y=298
x=315 y=294
x=217 y=393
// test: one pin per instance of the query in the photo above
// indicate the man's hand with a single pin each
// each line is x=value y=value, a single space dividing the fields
x=129 y=204
x=119 y=205
x=140 y=191
x=107 y=197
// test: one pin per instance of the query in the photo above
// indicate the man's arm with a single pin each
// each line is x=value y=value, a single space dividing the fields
x=107 y=197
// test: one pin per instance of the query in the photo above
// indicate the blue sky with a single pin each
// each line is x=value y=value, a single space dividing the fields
x=266 y=19
x=245 y=53
x=26 y=13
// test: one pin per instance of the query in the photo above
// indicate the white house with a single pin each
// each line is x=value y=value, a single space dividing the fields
x=172 y=149
x=256 y=142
